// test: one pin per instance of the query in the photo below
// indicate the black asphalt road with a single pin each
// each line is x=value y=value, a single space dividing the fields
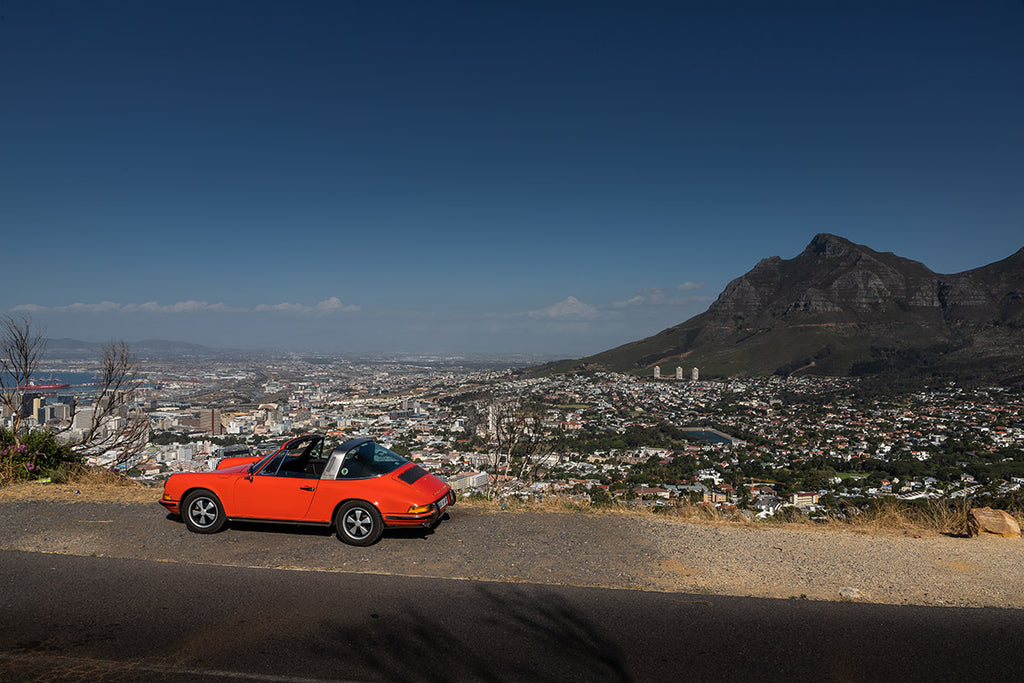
x=92 y=618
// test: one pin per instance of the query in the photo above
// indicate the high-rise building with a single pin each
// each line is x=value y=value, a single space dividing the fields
x=29 y=403
x=83 y=418
x=679 y=372
x=209 y=421
x=695 y=374
x=657 y=372
x=58 y=411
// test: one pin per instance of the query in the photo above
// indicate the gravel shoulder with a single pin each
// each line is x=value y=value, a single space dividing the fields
x=602 y=550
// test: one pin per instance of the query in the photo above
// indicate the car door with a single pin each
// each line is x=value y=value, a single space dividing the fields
x=280 y=491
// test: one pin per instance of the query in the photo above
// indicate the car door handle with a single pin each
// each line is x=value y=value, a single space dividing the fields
x=307 y=488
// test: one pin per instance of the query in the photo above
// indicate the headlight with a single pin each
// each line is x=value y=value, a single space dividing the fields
x=419 y=509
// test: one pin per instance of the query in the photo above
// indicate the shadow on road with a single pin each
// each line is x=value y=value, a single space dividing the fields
x=525 y=630
x=309 y=529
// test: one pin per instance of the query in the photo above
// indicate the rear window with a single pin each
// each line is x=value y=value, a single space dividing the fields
x=369 y=459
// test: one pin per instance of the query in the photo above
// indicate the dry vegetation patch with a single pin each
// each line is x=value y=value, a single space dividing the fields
x=88 y=484
x=887 y=516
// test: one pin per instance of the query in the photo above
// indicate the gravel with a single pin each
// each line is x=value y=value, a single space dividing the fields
x=604 y=550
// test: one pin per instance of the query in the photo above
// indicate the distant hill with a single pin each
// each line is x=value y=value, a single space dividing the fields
x=73 y=348
x=840 y=308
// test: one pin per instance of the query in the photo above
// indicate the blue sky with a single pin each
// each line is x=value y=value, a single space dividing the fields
x=553 y=178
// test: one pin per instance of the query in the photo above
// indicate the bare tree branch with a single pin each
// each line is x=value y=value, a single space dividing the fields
x=21 y=349
x=113 y=428
x=518 y=444
x=113 y=425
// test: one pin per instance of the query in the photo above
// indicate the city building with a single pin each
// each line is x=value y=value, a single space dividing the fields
x=209 y=421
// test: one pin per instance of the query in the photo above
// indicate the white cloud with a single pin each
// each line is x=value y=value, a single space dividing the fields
x=656 y=296
x=101 y=307
x=646 y=297
x=334 y=304
x=569 y=308
x=325 y=307
x=281 y=308
x=635 y=301
x=179 y=307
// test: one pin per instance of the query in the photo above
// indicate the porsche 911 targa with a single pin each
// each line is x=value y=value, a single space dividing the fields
x=360 y=487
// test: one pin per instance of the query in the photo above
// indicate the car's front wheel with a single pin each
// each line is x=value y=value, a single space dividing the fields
x=358 y=523
x=202 y=512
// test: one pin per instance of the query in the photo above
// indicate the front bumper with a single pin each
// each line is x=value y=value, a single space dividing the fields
x=171 y=505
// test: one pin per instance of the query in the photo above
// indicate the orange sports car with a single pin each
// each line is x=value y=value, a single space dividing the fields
x=360 y=487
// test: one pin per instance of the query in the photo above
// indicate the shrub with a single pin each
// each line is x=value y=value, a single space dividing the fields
x=38 y=455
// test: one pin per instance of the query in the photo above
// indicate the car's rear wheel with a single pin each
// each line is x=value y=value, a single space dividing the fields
x=202 y=512
x=358 y=523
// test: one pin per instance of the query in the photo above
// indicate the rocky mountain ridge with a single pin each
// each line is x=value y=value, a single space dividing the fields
x=840 y=308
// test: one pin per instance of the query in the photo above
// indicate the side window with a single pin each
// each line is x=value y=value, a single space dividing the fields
x=315 y=460
x=317 y=450
x=298 y=448
x=300 y=459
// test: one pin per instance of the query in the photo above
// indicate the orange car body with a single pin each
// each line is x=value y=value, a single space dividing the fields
x=300 y=484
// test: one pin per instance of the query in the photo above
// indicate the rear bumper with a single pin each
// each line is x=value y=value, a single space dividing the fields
x=426 y=519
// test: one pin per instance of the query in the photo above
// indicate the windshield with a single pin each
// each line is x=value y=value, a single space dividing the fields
x=259 y=463
x=296 y=449
x=369 y=459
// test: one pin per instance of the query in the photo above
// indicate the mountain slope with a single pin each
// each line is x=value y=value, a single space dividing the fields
x=840 y=308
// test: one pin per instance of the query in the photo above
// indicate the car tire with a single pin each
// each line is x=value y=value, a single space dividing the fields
x=202 y=512
x=358 y=523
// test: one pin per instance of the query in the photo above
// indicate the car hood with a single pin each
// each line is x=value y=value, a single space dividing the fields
x=235 y=468
x=234 y=464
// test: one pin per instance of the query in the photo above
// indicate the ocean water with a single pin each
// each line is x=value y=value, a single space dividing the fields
x=77 y=380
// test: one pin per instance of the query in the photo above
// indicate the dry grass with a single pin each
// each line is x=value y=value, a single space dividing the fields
x=887 y=516
x=82 y=484
x=565 y=505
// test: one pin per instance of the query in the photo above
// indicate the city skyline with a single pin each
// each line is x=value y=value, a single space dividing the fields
x=498 y=178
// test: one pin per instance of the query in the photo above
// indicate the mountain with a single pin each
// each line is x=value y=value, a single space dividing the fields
x=840 y=308
x=75 y=349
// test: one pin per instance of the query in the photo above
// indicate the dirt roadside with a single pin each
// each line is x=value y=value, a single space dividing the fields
x=604 y=550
